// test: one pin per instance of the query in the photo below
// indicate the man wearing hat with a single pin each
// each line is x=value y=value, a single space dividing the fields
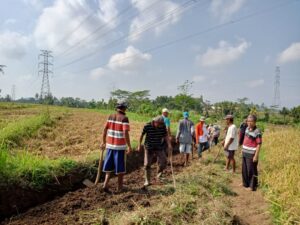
x=185 y=136
x=156 y=133
x=230 y=143
x=201 y=136
x=115 y=141
x=165 y=114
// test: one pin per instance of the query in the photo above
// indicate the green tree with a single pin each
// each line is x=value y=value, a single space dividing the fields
x=284 y=112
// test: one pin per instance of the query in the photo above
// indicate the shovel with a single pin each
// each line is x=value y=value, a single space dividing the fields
x=89 y=183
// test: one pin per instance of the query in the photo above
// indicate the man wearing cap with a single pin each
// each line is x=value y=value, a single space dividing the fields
x=156 y=133
x=185 y=136
x=165 y=114
x=230 y=143
x=115 y=141
x=201 y=136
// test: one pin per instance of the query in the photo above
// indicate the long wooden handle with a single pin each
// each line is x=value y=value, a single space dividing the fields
x=99 y=167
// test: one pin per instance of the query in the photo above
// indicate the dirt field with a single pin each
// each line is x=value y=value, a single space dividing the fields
x=75 y=136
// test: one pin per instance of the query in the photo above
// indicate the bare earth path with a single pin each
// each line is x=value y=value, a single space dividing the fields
x=248 y=207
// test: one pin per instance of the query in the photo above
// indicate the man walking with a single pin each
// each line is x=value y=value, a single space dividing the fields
x=230 y=143
x=115 y=141
x=184 y=137
x=251 y=148
x=202 y=136
x=165 y=115
x=156 y=133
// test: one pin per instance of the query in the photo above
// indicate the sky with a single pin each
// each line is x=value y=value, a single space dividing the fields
x=229 y=49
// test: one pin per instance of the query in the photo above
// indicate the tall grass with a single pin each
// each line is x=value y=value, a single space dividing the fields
x=281 y=173
x=23 y=168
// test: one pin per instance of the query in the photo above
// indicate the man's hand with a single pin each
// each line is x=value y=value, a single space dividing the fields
x=129 y=150
x=255 y=158
x=223 y=143
x=177 y=140
x=102 y=146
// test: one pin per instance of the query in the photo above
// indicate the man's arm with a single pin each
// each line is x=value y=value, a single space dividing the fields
x=255 y=158
x=228 y=144
x=167 y=139
x=140 y=142
x=127 y=138
x=104 y=138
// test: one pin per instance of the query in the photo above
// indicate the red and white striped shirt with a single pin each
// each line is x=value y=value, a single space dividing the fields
x=116 y=126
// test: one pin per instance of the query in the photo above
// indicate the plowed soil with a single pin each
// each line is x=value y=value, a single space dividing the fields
x=73 y=207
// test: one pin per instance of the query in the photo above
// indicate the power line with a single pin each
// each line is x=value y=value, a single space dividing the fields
x=44 y=69
x=73 y=31
x=213 y=28
x=104 y=26
x=141 y=30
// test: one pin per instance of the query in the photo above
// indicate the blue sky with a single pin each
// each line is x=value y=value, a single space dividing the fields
x=229 y=62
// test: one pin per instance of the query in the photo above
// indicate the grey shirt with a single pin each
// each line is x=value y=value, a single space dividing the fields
x=185 y=131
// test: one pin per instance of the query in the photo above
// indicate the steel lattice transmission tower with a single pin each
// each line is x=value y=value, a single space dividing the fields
x=276 y=100
x=13 y=93
x=45 y=64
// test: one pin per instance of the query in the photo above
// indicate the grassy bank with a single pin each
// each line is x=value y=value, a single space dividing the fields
x=14 y=132
x=25 y=169
x=281 y=173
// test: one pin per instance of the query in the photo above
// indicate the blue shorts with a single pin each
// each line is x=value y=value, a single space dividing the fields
x=115 y=161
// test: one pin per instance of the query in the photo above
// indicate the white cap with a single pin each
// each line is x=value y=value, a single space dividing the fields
x=165 y=110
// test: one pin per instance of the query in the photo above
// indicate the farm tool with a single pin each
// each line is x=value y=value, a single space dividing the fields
x=89 y=183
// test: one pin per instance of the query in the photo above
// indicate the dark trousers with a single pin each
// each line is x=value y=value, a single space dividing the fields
x=249 y=173
x=202 y=147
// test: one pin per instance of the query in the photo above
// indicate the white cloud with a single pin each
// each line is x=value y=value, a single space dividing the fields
x=97 y=73
x=291 y=54
x=166 y=10
x=224 y=9
x=13 y=45
x=224 y=54
x=55 y=26
x=255 y=83
x=199 y=78
x=130 y=60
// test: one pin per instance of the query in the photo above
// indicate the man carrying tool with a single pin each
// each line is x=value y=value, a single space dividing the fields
x=230 y=143
x=115 y=141
x=156 y=133
x=185 y=136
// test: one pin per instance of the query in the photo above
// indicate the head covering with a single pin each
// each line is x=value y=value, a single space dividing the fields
x=229 y=116
x=202 y=118
x=158 y=119
x=121 y=104
x=186 y=114
x=165 y=110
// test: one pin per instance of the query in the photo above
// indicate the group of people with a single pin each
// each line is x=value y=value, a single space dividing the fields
x=157 y=144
